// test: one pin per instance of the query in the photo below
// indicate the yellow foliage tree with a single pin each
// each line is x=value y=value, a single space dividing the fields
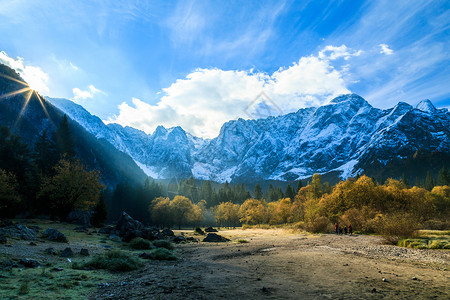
x=72 y=187
x=253 y=211
x=161 y=212
x=227 y=214
x=9 y=197
x=181 y=208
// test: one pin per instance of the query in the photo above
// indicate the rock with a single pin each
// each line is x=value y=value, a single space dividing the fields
x=81 y=229
x=215 y=238
x=50 y=251
x=115 y=238
x=191 y=239
x=179 y=239
x=385 y=280
x=167 y=232
x=79 y=217
x=128 y=224
x=18 y=231
x=32 y=244
x=106 y=230
x=84 y=252
x=29 y=263
x=3 y=239
x=374 y=290
x=210 y=229
x=199 y=231
x=414 y=278
x=54 y=235
x=67 y=252
x=57 y=269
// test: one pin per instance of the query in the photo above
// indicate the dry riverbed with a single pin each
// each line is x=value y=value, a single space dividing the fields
x=280 y=264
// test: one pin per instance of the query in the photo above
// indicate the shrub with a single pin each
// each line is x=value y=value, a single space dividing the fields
x=318 y=225
x=140 y=244
x=397 y=226
x=160 y=254
x=163 y=244
x=24 y=287
x=114 y=260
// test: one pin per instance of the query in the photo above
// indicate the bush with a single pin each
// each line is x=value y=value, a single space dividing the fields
x=397 y=226
x=160 y=254
x=319 y=225
x=163 y=244
x=114 y=260
x=140 y=244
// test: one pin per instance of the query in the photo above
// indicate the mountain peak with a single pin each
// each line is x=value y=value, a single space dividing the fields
x=426 y=106
x=348 y=97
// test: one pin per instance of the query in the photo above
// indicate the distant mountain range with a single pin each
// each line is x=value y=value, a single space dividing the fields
x=341 y=139
x=28 y=118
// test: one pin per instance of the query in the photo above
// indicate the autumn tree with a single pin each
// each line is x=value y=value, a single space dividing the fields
x=253 y=212
x=227 y=214
x=181 y=207
x=9 y=197
x=72 y=187
x=161 y=212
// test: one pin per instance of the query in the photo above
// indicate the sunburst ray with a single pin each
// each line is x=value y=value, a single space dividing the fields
x=14 y=79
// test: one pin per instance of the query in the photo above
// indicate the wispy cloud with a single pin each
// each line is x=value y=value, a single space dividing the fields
x=79 y=94
x=385 y=49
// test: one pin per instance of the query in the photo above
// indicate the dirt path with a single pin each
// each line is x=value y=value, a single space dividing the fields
x=277 y=264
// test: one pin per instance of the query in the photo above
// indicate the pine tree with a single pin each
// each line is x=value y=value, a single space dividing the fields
x=405 y=180
x=443 y=177
x=289 y=192
x=100 y=214
x=258 y=192
x=63 y=139
x=299 y=185
x=46 y=157
x=429 y=182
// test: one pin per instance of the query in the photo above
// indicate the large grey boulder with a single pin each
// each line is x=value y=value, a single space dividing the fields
x=79 y=217
x=54 y=235
x=215 y=238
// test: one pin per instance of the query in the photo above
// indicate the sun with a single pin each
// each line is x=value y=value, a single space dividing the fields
x=28 y=92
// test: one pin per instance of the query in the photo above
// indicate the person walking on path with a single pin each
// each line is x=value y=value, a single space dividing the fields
x=345 y=229
x=336 y=228
x=350 y=229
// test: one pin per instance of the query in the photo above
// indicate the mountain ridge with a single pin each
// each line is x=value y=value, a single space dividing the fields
x=343 y=136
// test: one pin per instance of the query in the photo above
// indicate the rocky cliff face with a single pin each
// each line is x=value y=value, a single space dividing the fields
x=344 y=136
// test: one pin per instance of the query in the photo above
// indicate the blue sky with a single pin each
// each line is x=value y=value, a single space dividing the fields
x=200 y=63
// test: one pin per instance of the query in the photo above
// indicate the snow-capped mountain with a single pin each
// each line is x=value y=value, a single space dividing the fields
x=343 y=136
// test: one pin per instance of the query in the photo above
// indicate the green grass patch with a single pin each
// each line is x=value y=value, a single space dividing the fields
x=428 y=239
x=140 y=244
x=241 y=241
x=114 y=260
x=163 y=244
x=161 y=254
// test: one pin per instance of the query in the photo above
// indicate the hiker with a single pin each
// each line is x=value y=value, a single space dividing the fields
x=340 y=230
x=336 y=228
x=345 y=229
x=350 y=229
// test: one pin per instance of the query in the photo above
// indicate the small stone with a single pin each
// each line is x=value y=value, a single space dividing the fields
x=50 y=251
x=385 y=280
x=84 y=252
x=374 y=290
x=414 y=278
x=29 y=263
x=32 y=244
x=57 y=269
x=67 y=252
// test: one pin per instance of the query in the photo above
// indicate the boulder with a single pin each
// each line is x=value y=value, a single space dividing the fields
x=84 y=252
x=210 y=229
x=18 y=231
x=191 y=239
x=67 y=252
x=179 y=239
x=106 y=230
x=215 y=238
x=128 y=224
x=167 y=232
x=79 y=217
x=29 y=263
x=50 y=251
x=81 y=229
x=199 y=231
x=54 y=235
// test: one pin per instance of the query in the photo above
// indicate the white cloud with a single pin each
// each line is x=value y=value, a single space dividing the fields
x=34 y=76
x=206 y=98
x=73 y=66
x=385 y=49
x=333 y=52
x=79 y=94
